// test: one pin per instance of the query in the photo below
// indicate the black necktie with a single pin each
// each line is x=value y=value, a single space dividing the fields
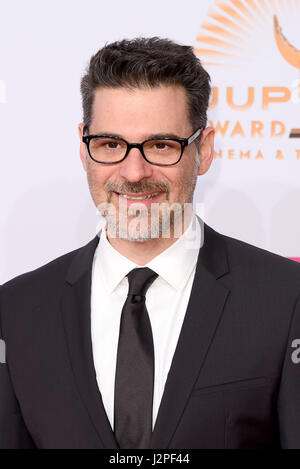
x=135 y=366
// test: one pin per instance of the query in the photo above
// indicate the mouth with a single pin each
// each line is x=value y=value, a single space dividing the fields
x=145 y=198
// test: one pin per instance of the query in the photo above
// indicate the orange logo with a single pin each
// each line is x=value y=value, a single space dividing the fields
x=235 y=30
x=290 y=54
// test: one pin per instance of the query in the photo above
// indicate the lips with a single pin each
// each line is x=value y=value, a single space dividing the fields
x=145 y=198
x=139 y=196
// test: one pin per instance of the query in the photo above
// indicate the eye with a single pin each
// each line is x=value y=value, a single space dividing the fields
x=106 y=144
x=161 y=145
x=112 y=144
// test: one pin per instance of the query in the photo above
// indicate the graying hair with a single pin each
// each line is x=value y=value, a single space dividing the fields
x=148 y=62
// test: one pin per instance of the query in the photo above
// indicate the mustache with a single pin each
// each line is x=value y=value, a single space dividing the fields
x=136 y=187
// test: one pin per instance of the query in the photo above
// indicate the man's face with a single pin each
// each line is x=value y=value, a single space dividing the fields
x=136 y=115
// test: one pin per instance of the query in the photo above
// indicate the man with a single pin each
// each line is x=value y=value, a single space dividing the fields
x=160 y=332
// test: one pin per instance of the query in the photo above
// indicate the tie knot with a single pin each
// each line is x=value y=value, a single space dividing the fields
x=140 y=280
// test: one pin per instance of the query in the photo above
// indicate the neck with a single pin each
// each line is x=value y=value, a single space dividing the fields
x=143 y=252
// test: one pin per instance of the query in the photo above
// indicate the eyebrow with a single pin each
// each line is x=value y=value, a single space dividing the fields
x=151 y=136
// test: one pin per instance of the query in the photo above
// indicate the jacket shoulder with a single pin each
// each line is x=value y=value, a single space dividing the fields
x=243 y=256
x=53 y=271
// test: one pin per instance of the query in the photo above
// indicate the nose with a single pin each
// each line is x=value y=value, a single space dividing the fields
x=135 y=167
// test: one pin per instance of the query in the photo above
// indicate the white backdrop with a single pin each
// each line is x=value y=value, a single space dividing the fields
x=46 y=209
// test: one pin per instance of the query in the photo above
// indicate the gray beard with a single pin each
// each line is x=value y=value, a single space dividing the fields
x=143 y=228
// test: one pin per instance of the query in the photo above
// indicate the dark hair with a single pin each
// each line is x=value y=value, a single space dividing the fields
x=148 y=62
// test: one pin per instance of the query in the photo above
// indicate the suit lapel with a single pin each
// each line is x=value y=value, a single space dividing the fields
x=202 y=317
x=76 y=318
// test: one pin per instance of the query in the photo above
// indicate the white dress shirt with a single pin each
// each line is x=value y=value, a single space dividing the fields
x=166 y=302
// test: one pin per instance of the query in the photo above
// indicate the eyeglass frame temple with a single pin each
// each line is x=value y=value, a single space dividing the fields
x=194 y=135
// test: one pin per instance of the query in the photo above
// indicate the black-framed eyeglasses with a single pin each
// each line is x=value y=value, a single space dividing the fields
x=165 y=151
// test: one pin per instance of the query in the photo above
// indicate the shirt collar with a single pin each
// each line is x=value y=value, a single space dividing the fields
x=174 y=264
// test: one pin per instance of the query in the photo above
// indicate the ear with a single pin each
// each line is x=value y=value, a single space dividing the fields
x=206 y=150
x=82 y=149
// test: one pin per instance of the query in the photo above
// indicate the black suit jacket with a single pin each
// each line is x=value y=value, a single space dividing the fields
x=232 y=382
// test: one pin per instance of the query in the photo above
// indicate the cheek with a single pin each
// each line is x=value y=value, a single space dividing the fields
x=180 y=176
x=100 y=175
x=170 y=175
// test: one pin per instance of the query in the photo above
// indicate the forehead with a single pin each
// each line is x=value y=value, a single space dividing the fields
x=141 y=110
